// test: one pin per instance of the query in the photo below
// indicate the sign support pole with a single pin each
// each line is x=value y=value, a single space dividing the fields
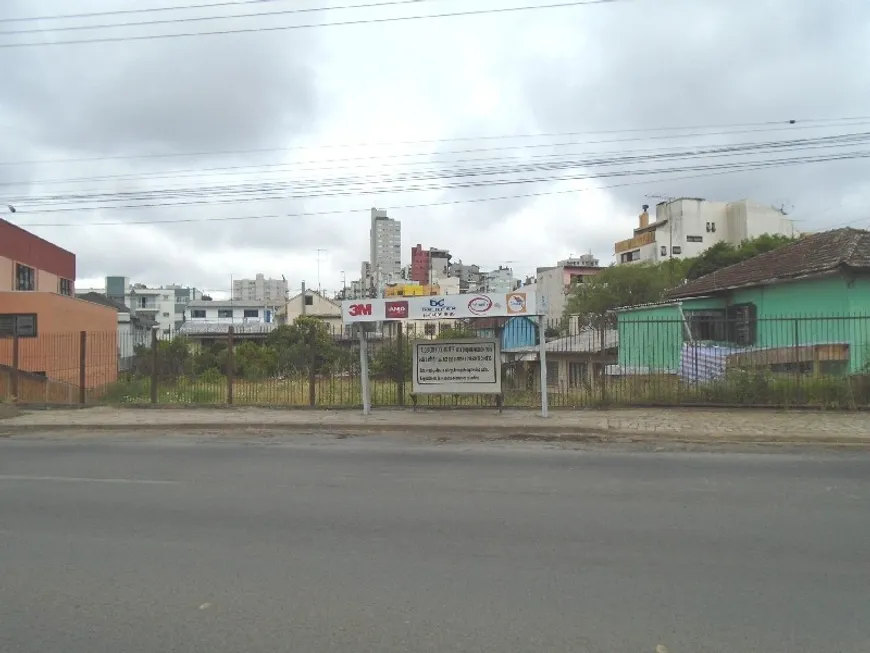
x=364 y=371
x=542 y=339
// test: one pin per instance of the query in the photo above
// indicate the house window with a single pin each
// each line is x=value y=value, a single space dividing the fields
x=694 y=239
x=429 y=329
x=225 y=312
x=252 y=312
x=65 y=287
x=552 y=373
x=742 y=323
x=197 y=313
x=664 y=250
x=676 y=249
x=576 y=374
x=711 y=227
x=707 y=325
x=21 y=325
x=25 y=277
x=166 y=315
x=309 y=300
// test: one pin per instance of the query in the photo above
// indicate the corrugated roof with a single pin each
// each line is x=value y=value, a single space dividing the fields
x=204 y=327
x=97 y=298
x=585 y=342
x=811 y=255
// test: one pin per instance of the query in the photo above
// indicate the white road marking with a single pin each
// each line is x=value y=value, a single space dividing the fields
x=661 y=649
x=74 y=479
x=205 y=606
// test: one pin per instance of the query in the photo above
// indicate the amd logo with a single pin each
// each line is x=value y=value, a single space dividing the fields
x=359 y=310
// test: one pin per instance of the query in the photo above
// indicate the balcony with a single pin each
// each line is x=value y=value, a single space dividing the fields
x=633 y=243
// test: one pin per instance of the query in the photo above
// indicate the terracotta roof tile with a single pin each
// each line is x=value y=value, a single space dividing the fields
x=811 y=255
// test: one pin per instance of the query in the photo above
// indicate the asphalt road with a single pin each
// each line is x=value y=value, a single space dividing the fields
x=226 y=546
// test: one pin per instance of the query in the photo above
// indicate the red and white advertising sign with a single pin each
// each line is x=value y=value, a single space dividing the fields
x=438 y=307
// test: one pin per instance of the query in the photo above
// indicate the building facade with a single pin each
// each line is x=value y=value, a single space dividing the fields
x=164 y=306
x=312 y=304
x=552 y=284
x=385 y=248
x=229 y=312
x=29 y=263
x=686 y=227
x=500 y=280
x=260 y=289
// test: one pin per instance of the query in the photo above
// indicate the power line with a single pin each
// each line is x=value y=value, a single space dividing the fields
x=118 y=12
x=729 y=129
x=709 y=172
x=197 y=19
x=498 y=168
x=342 y=23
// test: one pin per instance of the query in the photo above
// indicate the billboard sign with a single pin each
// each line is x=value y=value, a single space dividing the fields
x=471 y=366
x=439 y=307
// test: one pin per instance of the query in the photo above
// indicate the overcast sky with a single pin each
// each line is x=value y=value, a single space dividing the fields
x=227 y=127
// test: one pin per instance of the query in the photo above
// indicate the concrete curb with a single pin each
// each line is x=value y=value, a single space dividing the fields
x=591 y=434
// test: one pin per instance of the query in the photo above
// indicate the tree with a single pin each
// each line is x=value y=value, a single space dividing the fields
x=631 y=285
x=293 y=345
x=616 y=286
x=723 y=254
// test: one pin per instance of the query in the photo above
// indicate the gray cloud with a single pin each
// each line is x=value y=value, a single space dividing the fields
x=634 y=65
x=735 y=62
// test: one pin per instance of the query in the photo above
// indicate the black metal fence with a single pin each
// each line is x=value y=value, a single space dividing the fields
x=706 y=360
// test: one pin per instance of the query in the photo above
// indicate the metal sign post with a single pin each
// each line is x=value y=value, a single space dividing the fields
x=364 y=371
x=542 y=339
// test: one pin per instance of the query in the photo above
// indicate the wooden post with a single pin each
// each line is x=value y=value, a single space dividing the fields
x=231 y=363
x=312 y=364
x=83 y=368
x=15 y=363
x=154 y=363
x=400 y=372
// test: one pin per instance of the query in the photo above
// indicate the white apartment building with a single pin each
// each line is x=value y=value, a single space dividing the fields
x=499 y=281
x=260 y=289
x=552 y=284
x=230 y=312
x=685 y=227
x=385 y=248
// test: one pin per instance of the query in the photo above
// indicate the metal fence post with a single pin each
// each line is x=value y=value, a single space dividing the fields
x=154 y=363
x=603 y=340
x=312 y=365
x=400 y=372
x=83 y=367
x=15 y=364
x=231 y=363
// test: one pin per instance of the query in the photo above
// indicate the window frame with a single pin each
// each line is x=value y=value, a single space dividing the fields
x=694 y=239
x=225 y=313
x=247 y=311
x=15 y=330
x=19 y=268
x=66 y=291
x=197 y=313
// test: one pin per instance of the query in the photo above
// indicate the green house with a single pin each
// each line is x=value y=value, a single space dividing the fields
x=804 y=307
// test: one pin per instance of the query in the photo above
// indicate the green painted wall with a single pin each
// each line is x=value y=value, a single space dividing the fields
x=652 y=337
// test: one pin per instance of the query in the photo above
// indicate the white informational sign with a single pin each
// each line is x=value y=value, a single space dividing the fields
x=440 y=307
x=469 y=366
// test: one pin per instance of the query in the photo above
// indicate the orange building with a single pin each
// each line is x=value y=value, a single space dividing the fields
x=38 y=310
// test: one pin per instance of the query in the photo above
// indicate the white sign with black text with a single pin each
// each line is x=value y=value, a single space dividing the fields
x=470 y=366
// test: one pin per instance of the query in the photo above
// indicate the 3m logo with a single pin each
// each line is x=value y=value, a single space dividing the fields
x=359 y=310
x=397 y=310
